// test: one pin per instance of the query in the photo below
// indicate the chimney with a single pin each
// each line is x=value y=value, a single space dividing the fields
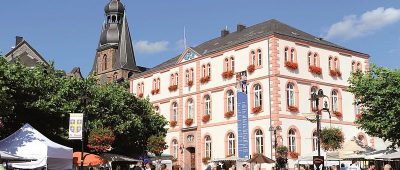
x=225 y=32
x=18 y=40
x=240 y=27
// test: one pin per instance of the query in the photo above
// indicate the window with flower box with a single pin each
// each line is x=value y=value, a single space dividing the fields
x=156 y=86
x=231 y=144
x=335 y=104
x=292 y=140
x=313 y=63
x=257 y=98
x=189 y=77
x=206 y=73
x=173 y=82
x=291 y=97
x=334 y=67
x=290 y=58
x=229 y=68
x=140 y=89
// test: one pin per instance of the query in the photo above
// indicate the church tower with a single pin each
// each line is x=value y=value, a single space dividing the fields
x=115 y=58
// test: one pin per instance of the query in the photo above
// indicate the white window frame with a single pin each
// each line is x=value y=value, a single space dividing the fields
x=335 y=101
x=231 y=144
x=230 y=101
x=175 y=111
x=259 y=141
x=257 y=95
x=290 y=94
x=207 y=105
x=190 y=109
x=175 y=148
x=292 y=140
x=207 y=147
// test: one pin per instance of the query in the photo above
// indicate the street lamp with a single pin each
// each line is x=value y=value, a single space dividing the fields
x=315 y=98
x=84 y=100
x=275 y=129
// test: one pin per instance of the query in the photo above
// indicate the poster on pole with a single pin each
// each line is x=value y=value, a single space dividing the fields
x=75 y=126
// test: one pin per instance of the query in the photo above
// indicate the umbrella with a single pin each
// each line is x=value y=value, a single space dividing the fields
x=90 y=159
x=260 y=158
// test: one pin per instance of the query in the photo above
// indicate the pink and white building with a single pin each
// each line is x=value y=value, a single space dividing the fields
x=196 y=92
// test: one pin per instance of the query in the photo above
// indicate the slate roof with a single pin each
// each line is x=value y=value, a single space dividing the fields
x=24 y=58
x=250 y=33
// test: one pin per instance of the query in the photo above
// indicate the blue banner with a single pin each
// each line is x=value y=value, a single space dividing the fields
x=243 y=125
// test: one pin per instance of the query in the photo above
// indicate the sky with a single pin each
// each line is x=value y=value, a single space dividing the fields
x=67 y=32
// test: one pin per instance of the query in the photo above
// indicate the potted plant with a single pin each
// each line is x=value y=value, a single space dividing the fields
x=315 y=70
x=173 y=123
x=189 y=121
x=206 y=118
x=331 y=139
x=173 y=87
x=256 y=109
x=293 y=109
x=291 y=65
x=228 y=114
x=205 y=79
x=227 y=74
x=251 y=68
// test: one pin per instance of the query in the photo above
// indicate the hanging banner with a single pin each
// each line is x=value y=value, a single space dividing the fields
x=75 y=126
x=241 y=82
x=242 y=115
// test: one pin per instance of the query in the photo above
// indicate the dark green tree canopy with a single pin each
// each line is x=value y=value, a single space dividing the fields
x=377 y=92
x=44 y=97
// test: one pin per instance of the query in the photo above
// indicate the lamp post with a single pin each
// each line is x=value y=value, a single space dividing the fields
x=84 y=100
x=315 y=107
x=275 y=129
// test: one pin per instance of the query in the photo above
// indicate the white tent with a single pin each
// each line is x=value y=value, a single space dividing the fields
x=28 y=143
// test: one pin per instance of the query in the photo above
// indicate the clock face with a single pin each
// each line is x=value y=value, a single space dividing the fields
x=189 y=55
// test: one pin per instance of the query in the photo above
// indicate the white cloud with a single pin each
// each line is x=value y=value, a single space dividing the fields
x=353 y=26
x=151 y=47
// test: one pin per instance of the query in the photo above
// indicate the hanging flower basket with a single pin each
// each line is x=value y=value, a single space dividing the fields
x=188 y=122
x=228 y=114
x=293 y=109
x=291 y=65
x=339 y=115
x=251 y=68
x=155 y=91
x=331 y=139
x=190 y=83
x=173 y=123
x=227 y=74
x=256 y=109
x=206 y=118
x=173 y=87
x=205 y=160
x=294 y=155
x=315 y=70
x=140 y=95
x=205 y=79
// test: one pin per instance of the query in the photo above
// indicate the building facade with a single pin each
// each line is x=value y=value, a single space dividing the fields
x=196 y=92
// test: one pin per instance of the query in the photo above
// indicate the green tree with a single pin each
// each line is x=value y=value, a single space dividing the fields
x=377 y=91
x=44 y=97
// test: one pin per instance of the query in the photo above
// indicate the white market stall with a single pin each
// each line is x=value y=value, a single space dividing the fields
x=29 y=143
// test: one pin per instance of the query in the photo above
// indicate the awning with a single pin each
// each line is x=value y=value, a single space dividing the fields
x=392 y=156
x=90 y=159
x=13 y=158
x=231 y=158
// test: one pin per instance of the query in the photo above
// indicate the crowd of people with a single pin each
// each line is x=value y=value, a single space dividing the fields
x=147 y=165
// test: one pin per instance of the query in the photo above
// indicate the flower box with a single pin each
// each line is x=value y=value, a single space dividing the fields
x=206 y=118
x=227 y=74
x=315 y=70
x=190 y=83
x=293 y=109
x=294 y=155
x=251 y=68
x=155 y=91
x=358 y=116
x=140 y=95
x=173 y=123
x=229 y=114
x=205 y=79
x=188 y=122
x=173 y=87
x=256 y=109
x=205 y=160
x=335 y=73
x=339 y=115
x=291 y=65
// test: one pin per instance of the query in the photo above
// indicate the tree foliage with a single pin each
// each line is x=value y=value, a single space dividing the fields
x=377 y=91
x=331 y=139
x=156 y=144
x=44 y=97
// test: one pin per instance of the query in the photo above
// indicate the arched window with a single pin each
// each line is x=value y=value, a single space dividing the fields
x=335 y=104
x=175 y=148
x=231 y=144
x=315 y=59
x=226 y=64
x=257 y=95
x=359 y=66
x=330 y=63
x=292 y=55
x=154 y=84
x=187 y=76
x=207 y=105
x=158 y=83
x=314 y=89
x=290 y=94
x=190 y=109
x=286 y=54
x=176 y=78
x=172 y=79
x=314 y=141
x=209 y=69
x=204 y=71
x=105 y=62
x=336 y=63
x=175 y=111
x=230 y=98
x=259 y=57
x=309 y=59
x=232 y=64
x=191 y=75
x=292 y=140
x=353 y=66
x=259 y=141
x=207 y=147
x=253 y=58
x=114 y=18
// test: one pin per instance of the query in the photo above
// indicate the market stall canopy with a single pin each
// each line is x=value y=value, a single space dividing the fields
x=392 y=156
x=29 y=143
x=117 y=158
x=231 y=158
x=163 y=156
x=353 y=149
x=90 y=159
x=260 y=158
x=7 y=157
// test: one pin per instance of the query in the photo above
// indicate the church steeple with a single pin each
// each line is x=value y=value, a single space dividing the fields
x=115 y=58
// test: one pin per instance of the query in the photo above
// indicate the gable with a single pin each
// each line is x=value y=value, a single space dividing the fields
x=187 y=55
x=26 y=54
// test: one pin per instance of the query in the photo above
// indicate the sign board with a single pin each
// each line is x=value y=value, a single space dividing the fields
x=75 y=126
x=242 y=115
x=318 y=162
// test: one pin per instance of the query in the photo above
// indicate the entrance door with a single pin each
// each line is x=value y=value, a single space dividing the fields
x=192 y=152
